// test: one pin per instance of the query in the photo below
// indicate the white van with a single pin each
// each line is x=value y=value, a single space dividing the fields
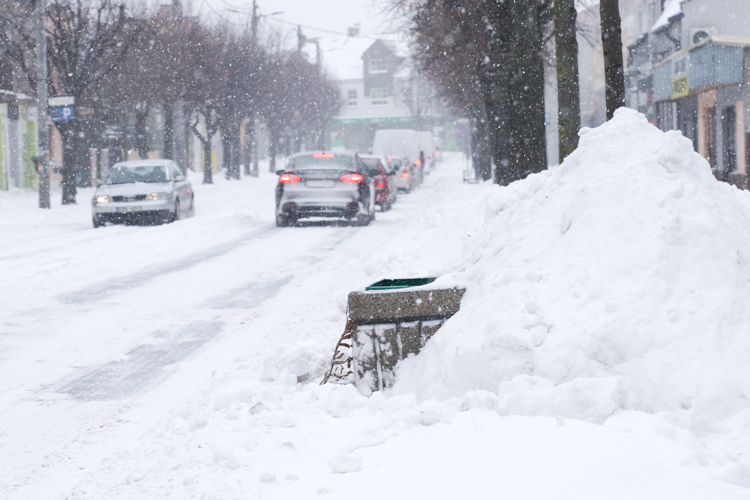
x=396 y=143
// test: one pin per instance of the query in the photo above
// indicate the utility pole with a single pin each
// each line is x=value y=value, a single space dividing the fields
x=178 y=124
x=300 y=39
x=42 y=129
x=254 y=120
x=254 y=22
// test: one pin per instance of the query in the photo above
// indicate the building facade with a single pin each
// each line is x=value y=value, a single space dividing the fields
x=18 y=141
x=385 y=91
x=691 y=72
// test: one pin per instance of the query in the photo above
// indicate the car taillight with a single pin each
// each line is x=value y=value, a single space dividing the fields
x=289 y=178
x=418 y=162
x=379 y=185
x=389 y=160
x=352 y=178
x=323 y=155
x=405 y=174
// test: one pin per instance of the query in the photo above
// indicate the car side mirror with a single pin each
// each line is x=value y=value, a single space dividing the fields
x=279 y=172
x=392 y=172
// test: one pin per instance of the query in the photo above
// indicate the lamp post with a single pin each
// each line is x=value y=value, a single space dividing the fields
x=42 y=129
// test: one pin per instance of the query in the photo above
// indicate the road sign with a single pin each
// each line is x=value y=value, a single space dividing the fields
x=62 y=113
x=63 y=100
x=462 y=130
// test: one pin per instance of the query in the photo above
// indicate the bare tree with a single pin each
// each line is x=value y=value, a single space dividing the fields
x=86 y=42
x=568 y=93
x=614 y=74
x=487 y=58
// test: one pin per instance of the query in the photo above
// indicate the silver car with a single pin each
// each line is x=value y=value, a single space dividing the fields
x=321 y=184
x=155 y=190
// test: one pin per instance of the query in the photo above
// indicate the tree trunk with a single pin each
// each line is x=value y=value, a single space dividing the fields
x=614 y=75
x=208 y=177
x=568 y=93
x=169 y=131
x=273 y=149
x=141 y=135
x=526 y=137
x=68 y=169
x=480 y=148
x=226 y=147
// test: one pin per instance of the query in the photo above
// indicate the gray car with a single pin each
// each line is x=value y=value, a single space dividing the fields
x=330 y=185
x=154 y=190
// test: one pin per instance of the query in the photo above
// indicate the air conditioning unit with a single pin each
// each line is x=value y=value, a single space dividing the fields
x=698 y=35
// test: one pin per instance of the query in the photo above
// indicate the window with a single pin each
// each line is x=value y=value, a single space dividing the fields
x=352 y=94
x=378 y=66
x=378 y=93
x=351 y=104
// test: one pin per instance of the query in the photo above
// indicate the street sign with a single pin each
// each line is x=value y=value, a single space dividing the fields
x=462 y=130
x=62 y=113
x=63 y=100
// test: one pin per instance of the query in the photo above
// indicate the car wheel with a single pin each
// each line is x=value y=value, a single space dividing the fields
x=282 y=221
x=191 y=212
x=98 y=221
x=173 y=216
x=386 y=206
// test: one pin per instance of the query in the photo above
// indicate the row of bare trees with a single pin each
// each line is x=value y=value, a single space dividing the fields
x=124 y=67
x=488 y=59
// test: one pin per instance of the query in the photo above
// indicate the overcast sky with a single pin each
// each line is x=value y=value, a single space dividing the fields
x=317 y=17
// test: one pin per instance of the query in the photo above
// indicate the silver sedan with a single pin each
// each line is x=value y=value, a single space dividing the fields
x=155 y=190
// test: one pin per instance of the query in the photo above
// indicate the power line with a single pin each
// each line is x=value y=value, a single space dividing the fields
x=322 y=29
x=222 y=17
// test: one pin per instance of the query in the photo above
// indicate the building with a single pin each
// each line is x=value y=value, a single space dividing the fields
x=380 y=88
x=690 y=72
x=18 y=141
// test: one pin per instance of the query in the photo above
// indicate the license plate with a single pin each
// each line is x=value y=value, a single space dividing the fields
x=127 y=209
x=320 y=184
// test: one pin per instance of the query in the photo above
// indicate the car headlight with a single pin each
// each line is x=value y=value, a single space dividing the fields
x=159 y=196
x=102 y=198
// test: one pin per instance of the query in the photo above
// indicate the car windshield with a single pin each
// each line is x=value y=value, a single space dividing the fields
x=321 y=160
x=394 y=163
x=143 y=173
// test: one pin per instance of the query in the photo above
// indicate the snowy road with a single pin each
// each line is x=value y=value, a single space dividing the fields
x=175 y=361
x=104 y=331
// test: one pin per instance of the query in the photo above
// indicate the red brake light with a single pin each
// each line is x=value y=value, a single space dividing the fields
x=324 y=155
x=289 y=178
x=389 y=160
x=379 y=185
x=352 y=178
x=405 y=174
x=418 y=162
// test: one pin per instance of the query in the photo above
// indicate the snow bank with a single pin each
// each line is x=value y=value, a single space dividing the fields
x=618 y=280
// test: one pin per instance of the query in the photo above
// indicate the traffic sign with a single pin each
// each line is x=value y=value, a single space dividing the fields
x=62 y=113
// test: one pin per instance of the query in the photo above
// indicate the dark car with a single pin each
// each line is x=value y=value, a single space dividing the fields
x=321 y=184
x=385 y=184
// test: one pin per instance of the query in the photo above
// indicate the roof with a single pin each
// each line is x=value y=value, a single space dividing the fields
x=736 y=41
x=672 y=9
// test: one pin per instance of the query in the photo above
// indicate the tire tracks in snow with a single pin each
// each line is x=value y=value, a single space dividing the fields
x=111 y=287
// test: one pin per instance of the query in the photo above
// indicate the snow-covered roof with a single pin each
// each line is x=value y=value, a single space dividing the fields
x=672 y=8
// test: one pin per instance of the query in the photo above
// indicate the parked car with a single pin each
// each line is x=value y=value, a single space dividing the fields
x=402 y=174
x=322 y=184
x=155 y=190
x=385 y=184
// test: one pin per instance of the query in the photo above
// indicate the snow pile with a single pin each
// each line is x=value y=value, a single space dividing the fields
x=618 y=280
